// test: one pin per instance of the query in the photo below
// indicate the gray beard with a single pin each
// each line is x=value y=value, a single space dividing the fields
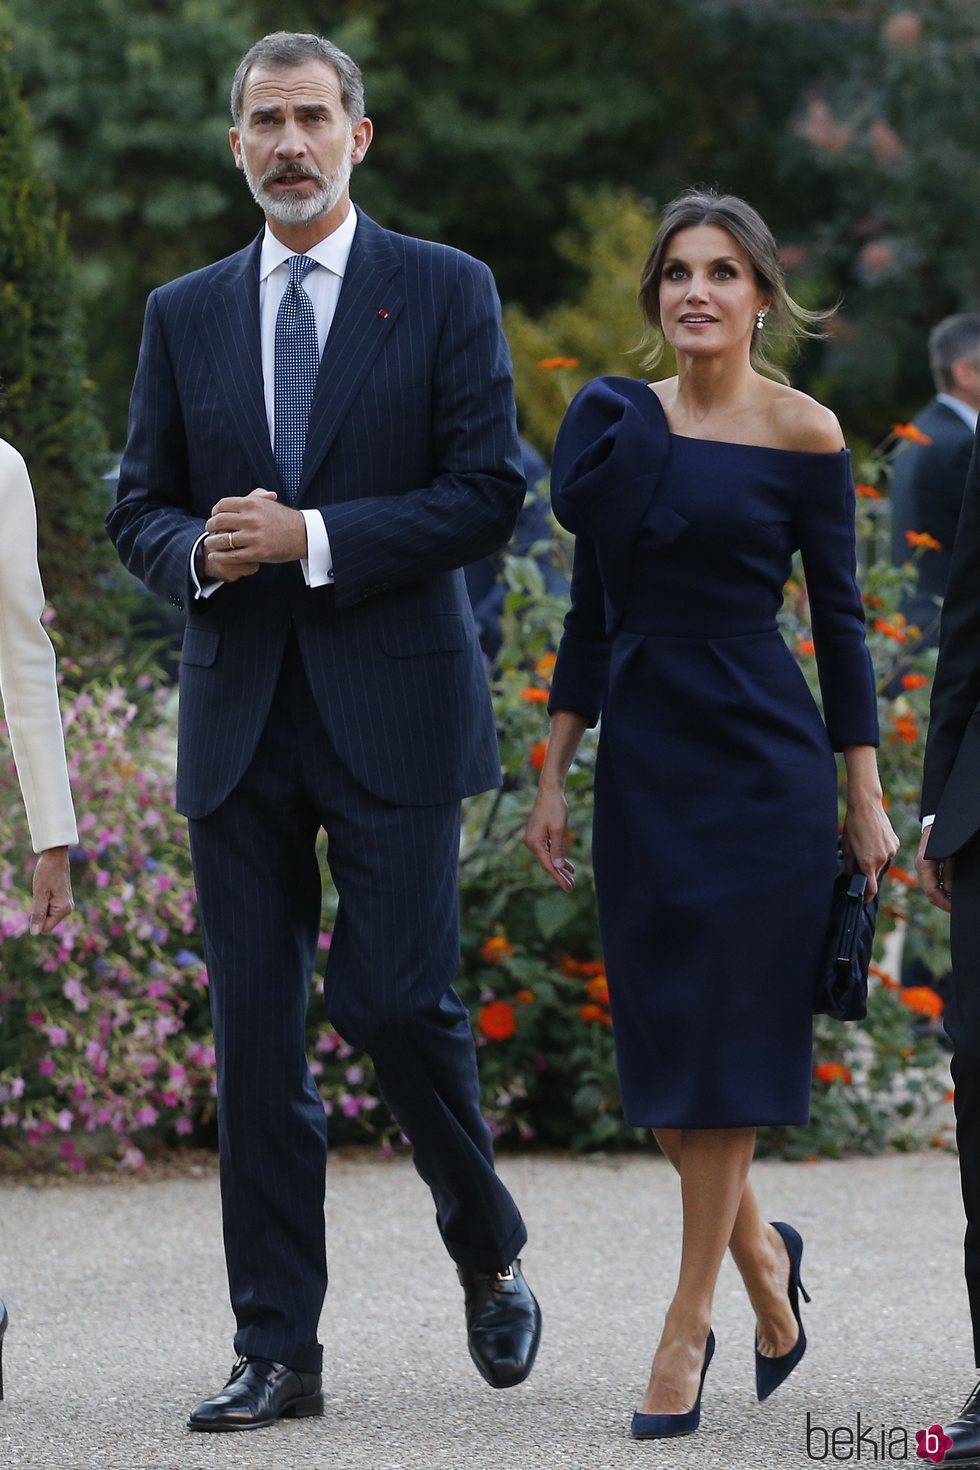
x=290 y=210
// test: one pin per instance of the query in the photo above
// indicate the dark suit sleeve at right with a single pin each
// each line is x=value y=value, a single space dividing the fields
x=956 y=688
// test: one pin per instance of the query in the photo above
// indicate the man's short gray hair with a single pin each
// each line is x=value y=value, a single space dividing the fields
x=293 y=48
x=952 y=340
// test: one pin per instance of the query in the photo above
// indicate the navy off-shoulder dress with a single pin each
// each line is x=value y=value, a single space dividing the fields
x=716 y=786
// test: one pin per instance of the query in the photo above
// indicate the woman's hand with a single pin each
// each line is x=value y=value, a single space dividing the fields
x=547 y=832
x=868 y=840
x=52 y=890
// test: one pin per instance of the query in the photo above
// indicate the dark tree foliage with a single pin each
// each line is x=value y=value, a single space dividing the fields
x=492 y=119
x=46 y=407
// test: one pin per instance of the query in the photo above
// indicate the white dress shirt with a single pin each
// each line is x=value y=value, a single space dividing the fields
x=323 y=288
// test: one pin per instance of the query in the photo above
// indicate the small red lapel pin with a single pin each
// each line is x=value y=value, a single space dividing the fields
x=382 y=313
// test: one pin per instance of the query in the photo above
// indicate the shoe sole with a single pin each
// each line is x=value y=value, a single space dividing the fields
x=304 y=1408
x=532 y=1354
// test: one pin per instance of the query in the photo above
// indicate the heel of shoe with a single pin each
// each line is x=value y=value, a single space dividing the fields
x=310 y=1407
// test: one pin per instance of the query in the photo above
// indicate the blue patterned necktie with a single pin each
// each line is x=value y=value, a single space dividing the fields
x=297 y=364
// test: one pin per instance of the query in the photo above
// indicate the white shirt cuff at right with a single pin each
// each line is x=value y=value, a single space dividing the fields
x=318 y=563
x=928 y=821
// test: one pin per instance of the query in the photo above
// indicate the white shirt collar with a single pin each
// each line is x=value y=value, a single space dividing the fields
x=967 y=414
x=331 y=252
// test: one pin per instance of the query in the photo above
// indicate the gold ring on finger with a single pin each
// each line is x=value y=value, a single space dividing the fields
x=231 y=540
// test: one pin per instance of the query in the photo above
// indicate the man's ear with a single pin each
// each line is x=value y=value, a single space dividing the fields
x=234 y=139
x=361 y=135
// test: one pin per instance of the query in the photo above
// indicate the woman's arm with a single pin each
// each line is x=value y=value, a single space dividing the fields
x=868 y=838
x=28 y=683
x=546 y=830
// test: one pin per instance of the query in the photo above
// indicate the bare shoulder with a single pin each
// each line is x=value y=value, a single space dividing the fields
x=801 y=423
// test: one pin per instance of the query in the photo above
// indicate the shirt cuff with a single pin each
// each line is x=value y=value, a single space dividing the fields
x=928 y=821
x=211 y=585
x=318 y=563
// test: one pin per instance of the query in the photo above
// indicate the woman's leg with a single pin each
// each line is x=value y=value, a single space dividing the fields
x=760 y=1255
x=713 y=1164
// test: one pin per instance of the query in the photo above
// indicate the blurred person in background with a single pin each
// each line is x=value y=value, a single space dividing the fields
x=29 y=691
x=926 y=496
x=486 y=583
x=928 y=478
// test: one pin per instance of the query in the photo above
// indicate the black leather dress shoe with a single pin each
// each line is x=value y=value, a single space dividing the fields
x=258 y=1393
x=503 y=1324
x=965 y=1433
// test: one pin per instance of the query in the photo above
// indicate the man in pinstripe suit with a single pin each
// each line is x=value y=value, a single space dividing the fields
x=330 y=677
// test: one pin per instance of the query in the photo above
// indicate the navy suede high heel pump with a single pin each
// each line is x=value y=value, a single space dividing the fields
x=771 y=1372
x=664 y=1426
x=4 y=1319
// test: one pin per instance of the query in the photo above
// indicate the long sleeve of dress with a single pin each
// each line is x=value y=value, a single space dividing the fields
x=28 y=685
x=825 y=529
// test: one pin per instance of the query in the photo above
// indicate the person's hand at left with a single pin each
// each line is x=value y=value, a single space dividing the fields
x=246 y=530
x=51 y=890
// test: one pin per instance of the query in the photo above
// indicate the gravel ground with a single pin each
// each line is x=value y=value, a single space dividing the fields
x=119 y=1323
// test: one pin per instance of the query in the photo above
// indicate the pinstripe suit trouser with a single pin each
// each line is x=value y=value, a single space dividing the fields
x=387 y=989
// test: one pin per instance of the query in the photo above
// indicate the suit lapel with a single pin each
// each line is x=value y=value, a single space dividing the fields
x=366 y=312
x=231 y=335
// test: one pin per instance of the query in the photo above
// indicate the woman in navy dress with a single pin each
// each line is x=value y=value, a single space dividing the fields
x=716 y=822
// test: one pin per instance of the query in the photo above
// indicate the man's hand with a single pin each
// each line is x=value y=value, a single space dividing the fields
x=244 y=532
x=936 y=877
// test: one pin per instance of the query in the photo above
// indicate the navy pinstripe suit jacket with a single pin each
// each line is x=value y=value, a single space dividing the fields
x=412 y=457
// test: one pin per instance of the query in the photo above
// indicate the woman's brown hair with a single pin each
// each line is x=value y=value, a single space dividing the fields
x=786 y=320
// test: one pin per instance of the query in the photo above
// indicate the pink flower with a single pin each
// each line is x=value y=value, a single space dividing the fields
x=886 y=145
x=46 y=1067
x=876 y=257
x=904 y=28
x=57 y=1035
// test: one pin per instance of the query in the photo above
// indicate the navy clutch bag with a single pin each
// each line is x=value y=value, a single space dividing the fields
x=842 y=981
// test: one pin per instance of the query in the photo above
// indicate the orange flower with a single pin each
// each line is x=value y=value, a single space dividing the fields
x=592 y=1013
x=552 y=364
x=545 y=666
x=951 y=1095
x=913 y=681
x=832 y=1072
x=497 y=1020
x=533 y=695
x=922 y=1000
x=904 y=727
x=923 y=539
x=496 y=947
x=910 y=432
x=868 y=492
x=903 y=876
x=597 y=989
x=537 y=754
x=892 y=629
x=524 y=997
x=805 y=646
x=887 y=980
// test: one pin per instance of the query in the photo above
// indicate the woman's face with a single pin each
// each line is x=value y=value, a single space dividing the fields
x=709 y=295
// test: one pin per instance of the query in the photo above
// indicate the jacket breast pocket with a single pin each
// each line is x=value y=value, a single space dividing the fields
x=200 y=646
x=440 y=633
